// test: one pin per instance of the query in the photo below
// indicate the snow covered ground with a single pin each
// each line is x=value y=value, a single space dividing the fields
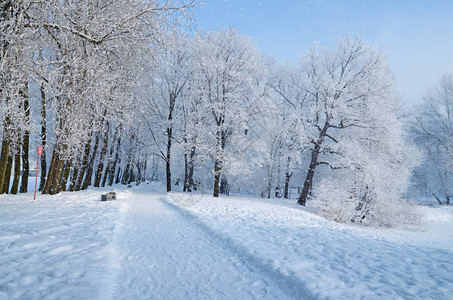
x=149 y=245
x=315 y=258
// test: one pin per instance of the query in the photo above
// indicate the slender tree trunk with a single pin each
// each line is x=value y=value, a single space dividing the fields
x=86 y=155
x=25 y=145
x=16 y=179
x=169 y=140
x=308 y=183
x=74 y=175
x=186 y=187
x=116 y=162
x=65 y=176
x=145 y=163
x=4 y=154
x=288 y=175
x=217 y=172
x=287 y=180
x=109 y=166
x=191 y=169
x=89 y=172
x=100 y=168
x=218 y=162
x=168 y=172
x=43 y=138
x=9 y=167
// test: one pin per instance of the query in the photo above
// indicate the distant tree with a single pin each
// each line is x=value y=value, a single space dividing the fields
x=433 y=132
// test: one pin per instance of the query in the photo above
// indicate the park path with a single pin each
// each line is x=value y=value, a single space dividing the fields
x=159 y=253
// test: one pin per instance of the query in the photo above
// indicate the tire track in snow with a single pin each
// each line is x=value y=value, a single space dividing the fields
x=162 y=255
x=285 y=280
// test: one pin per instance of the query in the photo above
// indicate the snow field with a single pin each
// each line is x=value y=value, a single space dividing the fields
x=73 y=246
x=330 y=260
x=55 y=247
x=147 y=245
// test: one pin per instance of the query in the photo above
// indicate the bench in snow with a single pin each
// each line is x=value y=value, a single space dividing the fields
x=109 y=196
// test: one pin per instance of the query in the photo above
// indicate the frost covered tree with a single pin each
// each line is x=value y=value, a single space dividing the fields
x=230 y=71
x=354 y=130
x=289 y=97
x=15 y=73
x=433 y=132
x=162 y=107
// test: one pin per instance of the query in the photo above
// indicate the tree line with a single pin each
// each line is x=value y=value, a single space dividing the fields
x=134 y=96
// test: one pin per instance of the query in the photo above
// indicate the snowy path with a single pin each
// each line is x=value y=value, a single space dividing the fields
x=163 y=255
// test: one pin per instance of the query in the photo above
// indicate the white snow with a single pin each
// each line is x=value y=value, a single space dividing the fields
x=322 y=259
x=147 y=245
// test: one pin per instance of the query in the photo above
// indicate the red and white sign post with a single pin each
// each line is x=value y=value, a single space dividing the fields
x=37 y=166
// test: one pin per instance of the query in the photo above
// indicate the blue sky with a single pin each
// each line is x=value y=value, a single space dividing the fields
x=416 y=35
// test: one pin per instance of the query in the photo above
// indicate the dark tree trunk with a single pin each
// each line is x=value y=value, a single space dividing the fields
x=308 y=183
x=51 y=173
x=89 y=172
x=16 y=179
x=25 y=146
x=65 y=176
x=108 y=169
x=224 y=188
x=287 y=180
x=191 y=169
x=74 y=175
x=100 y=168
x=169 y=140
x=86 y=156
x=9 y=167
x=186 y=187
x=55 y=187
x=4 y=155
x=116 y=162
x=168 y=172
x=43 y=138
x=217 y=172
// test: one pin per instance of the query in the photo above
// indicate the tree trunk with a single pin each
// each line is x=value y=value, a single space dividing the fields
x=308 y=183
x=74 y=175
x=168 y=172
x=89 y=172
x=109 y=166
x=43 y=138
x=169 y=138
x=51 y=173
x=437 y=198
x=186 y=187
x=16 y=179
x=287 y=180
x=4 y=156
x=25 y=145
x=116 y=162
x=86 y=156
x=97 y=179
x=65 y=176
x=55 y=187
x=9 y=167
x=288 y=175
x=217 y=172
